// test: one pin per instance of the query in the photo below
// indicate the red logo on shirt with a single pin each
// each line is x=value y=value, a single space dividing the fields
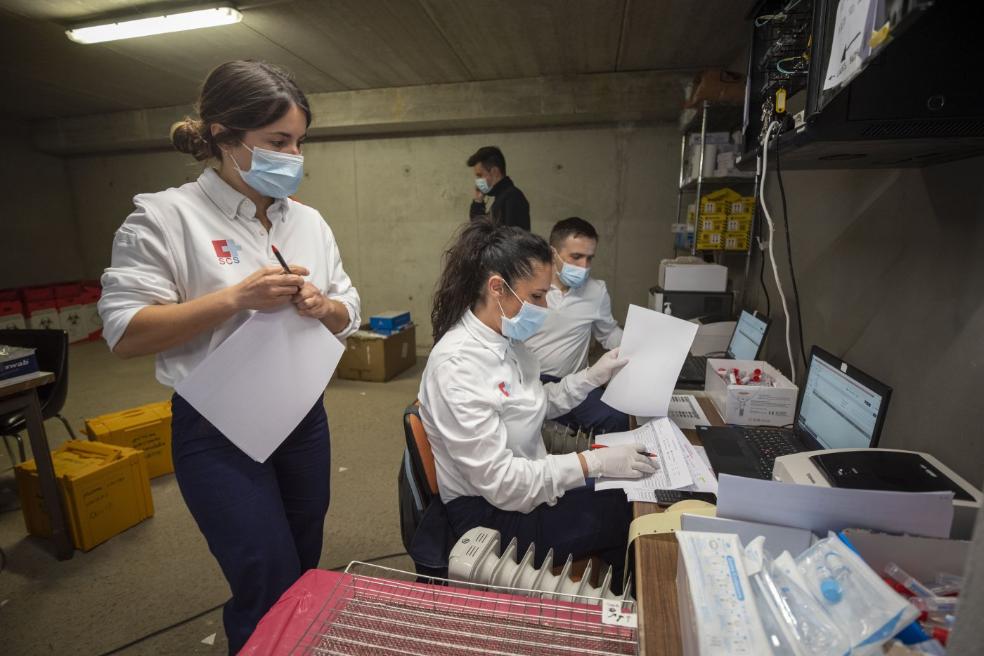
x=226 y=250
x=504 y=388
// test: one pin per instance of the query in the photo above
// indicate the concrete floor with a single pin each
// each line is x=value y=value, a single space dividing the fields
x=155 y=589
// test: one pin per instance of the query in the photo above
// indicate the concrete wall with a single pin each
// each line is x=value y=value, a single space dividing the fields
x=394 y=203
x=37 y=224
x=891 y=279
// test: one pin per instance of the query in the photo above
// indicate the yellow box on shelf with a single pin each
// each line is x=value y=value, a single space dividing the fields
x=736 y=241
x=105 y=490
x=147 y=428
x=713 y=222
x=710 y=241
x=739 y=223
x=744 y=205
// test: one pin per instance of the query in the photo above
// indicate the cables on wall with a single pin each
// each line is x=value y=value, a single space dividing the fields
x=789 y=254
x=772 y=234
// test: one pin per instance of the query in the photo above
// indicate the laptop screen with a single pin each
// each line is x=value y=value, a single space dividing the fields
x=838 y=410
x=747 y=338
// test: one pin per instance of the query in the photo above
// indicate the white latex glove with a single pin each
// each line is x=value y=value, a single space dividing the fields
x=607 y=366
x=626 y=461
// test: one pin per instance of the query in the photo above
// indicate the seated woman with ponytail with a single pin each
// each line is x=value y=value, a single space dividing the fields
x=483 y=406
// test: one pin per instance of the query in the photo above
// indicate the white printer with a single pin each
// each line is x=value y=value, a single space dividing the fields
x=883 y=469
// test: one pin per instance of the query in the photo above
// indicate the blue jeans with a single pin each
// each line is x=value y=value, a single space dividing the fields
x=582 y=523
x=592 y=413
x=264 y=522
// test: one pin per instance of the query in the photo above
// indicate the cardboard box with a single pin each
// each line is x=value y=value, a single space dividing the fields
x=72 y=319
x=67 y=290
x=105 y=490
x=31 y=294
x=387 y=323
x=751 y=405
x=90 y=312
x=378 y=358
x=677 y=276
x=146 y=428
x=11 y=315
x=43 y=314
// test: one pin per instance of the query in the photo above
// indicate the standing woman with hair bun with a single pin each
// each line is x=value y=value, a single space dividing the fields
x=189 y=266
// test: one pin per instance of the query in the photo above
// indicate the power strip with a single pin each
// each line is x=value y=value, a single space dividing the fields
x=475 y=559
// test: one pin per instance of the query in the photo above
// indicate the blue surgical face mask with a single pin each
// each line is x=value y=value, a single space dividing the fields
x=527 y=321
x=483 y=185
x=273 y=174
x=572 y=275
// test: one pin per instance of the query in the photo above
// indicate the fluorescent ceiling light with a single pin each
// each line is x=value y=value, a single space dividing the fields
x=177 y=22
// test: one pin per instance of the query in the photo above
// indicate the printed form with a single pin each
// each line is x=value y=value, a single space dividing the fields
x=659 y=437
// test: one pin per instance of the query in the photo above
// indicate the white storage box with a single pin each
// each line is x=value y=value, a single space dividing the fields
x=751 y=405
x=691 y=277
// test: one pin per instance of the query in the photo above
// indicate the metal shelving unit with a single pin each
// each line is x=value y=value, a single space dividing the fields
x=701 y=183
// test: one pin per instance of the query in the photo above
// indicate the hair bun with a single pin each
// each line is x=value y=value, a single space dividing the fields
x=187 y=137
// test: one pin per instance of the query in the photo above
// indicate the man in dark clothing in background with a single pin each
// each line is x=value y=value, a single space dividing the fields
x=510 y=206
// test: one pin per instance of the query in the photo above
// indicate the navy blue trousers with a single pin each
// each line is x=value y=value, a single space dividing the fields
x=592 y=413
x=264 y=522
x=582 y=523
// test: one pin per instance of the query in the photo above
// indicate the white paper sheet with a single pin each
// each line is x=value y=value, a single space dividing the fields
x=656 y=346
x=659 y=438
x=698 y=465
x=822 y=509
x=686 y=412
x=258 y=385
x=849 y=47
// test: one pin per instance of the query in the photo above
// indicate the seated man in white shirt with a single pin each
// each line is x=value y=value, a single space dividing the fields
x=581 y=309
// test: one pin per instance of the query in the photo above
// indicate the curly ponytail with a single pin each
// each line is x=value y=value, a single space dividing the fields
x=482 y=248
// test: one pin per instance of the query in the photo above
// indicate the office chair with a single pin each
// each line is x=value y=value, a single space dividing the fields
x=417 y=485
x=52 y=354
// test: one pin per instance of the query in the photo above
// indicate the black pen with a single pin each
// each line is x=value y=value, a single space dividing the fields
x=280 y=258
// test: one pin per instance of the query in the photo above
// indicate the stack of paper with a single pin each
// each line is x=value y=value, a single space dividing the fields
x=681 y=465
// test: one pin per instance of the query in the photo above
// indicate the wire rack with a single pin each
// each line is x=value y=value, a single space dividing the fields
x=377 y=610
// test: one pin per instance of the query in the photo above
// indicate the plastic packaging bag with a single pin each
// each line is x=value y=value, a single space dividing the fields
x=862 y=606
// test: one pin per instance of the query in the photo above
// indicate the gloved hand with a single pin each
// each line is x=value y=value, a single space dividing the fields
x=626 y=461
x=607 y=366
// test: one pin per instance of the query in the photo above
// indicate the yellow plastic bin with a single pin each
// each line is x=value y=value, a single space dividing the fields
x=105 y=490
x=147 y=428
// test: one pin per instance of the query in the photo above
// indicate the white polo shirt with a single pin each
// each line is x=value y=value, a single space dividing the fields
x=562 y=344
x=204 y=236
x=483 y=406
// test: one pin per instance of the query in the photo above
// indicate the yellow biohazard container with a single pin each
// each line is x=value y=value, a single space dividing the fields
x=739 y=223
x=105 y=490
x=710 y=241
x=147 y=428
x=736 y=241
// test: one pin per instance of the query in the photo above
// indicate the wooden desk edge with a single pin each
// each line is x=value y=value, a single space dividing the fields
x=657 y=557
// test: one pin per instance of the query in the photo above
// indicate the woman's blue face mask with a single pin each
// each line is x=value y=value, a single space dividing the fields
x=273 y=174
x=527 y=321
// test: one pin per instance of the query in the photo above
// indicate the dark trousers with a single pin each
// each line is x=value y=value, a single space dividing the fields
x=592 y=413
x=582 y=523
x=264 y=522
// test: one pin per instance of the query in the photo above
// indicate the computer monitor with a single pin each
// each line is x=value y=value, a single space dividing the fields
x=746 y=341
x=840 y=406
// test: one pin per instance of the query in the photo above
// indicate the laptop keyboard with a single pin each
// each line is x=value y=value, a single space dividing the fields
x=768 y=444
x=694 y=368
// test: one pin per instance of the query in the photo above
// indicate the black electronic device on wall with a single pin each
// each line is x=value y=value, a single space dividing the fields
x=916 y=100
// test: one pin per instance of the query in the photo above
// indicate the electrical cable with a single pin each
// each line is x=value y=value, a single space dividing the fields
x=772 y=255
x=152 y=634
x=765 y=289
x=789 y=254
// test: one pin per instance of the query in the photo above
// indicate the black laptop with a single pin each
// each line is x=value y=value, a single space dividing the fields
x=745 y=344
x=839 y=407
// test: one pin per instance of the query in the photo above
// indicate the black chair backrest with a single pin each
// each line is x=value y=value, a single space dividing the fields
x=52 y=354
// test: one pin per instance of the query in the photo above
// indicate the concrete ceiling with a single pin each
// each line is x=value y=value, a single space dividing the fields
x=336 y=45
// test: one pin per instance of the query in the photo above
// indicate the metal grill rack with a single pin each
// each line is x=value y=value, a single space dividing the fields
x=377 y=610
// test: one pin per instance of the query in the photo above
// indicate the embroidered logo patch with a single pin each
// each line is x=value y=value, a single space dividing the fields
x=504 y=388
x=226 y=250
